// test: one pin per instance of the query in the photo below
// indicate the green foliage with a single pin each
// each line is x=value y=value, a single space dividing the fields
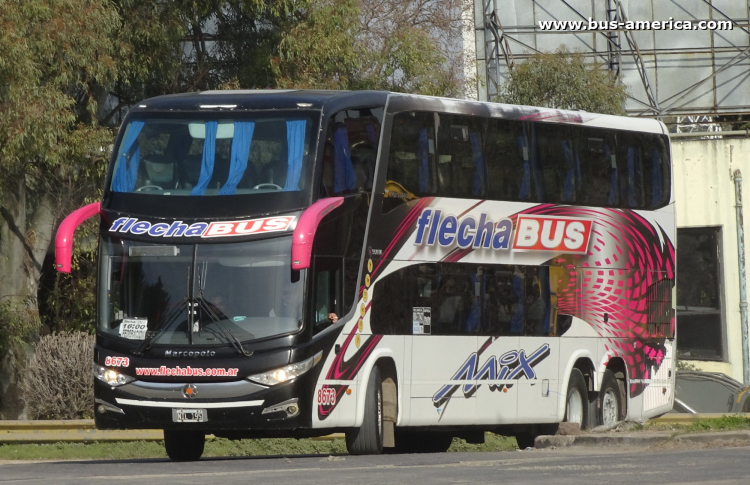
x=18 y=322
x=52 y=53
x=563 y=80
x=684 y=365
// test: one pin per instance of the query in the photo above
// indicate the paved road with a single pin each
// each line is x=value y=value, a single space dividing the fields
x=566 y=466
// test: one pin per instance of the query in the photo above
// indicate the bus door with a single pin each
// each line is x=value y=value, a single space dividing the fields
x=445 y=323
x=538 y=358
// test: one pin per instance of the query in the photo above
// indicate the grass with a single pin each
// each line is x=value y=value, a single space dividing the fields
x=724 y=423
x=126 y=450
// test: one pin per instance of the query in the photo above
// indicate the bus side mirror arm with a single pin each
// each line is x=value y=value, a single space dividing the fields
x=64 y=237
x=304 y=233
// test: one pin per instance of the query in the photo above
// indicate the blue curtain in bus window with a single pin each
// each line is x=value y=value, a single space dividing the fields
x=525 y=187
x=476 y=151
x=632 y=154
x=546 y=294
x=656 y=182
x=570 y=177
x=612 y=193
x=343 y=177
x=517 y=309
x=295 y=139
x=243 y=137
x=371 y=135
x=207 y=163
x=127 y=168
x=472 y=321
x=423 y=150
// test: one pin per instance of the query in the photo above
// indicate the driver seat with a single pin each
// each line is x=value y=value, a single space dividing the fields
x=159 y=171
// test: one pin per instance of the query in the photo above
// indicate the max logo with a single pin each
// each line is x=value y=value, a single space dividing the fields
x=533 y=233
x=513 y=364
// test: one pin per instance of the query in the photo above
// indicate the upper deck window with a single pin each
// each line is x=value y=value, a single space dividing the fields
x=214 y=155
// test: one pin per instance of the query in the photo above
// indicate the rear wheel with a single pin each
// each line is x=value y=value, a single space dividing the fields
x=577 y=402
x=368 y=438
x=611 y=400
x=184 y=445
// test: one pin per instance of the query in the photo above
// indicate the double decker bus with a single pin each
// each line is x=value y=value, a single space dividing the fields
x=403 y=269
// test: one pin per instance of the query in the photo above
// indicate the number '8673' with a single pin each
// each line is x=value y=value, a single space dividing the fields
x=327 y=396
x=117 y=361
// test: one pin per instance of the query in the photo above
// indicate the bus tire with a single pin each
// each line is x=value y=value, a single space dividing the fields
x=577 y=400
x=184 y=445
x=610 y=400
x=368 y=438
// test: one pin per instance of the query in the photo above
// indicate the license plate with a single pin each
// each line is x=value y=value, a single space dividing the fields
x=182 y=415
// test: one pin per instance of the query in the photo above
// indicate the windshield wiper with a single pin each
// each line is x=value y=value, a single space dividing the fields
x=161 y=328
x=203 y=304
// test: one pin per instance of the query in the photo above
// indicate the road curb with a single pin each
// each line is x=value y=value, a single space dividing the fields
x=640 y=439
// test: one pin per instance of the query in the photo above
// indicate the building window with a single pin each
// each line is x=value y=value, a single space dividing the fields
x=700 y=329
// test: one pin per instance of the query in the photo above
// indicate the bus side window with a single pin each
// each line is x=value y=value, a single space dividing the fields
x=411 y=161
x=460 y=168
x=507 y=157
x=349 y=151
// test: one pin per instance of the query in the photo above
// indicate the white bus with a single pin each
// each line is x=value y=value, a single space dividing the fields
x=404 y=269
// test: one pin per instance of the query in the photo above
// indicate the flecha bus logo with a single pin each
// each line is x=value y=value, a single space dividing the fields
x=532 y=233
x=558 y=234
x=202 y=229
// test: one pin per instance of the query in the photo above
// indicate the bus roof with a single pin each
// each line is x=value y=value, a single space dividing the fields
x=260 y=99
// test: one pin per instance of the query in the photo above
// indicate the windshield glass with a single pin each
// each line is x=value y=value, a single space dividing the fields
x=215 y=155
x=243 y=289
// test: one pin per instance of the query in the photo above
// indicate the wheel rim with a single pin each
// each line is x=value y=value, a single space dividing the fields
x=574 y=409
x=609 y=408
x=380 y=412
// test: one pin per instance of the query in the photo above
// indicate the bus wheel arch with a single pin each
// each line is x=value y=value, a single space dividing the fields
x=378 y=408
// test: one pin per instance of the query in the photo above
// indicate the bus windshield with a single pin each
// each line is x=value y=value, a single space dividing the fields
x=214 y=155
x=239 y=290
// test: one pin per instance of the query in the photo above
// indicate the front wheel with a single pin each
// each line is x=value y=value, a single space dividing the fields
x=611 y=400
x=184 y=445
x=368 y=438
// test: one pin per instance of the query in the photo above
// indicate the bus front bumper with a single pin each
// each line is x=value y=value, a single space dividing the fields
x=215 y=406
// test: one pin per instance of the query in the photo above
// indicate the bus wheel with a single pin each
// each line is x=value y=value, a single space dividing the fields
x=184 y=445
x=611 y=400
x=368 y=438
x=577 y=402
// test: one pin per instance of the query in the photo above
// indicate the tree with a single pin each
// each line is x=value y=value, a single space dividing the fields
x=52 y=53
x=564 y=80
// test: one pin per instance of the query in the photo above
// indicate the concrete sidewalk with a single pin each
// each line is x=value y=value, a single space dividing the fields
x=640 y=439
x=650 y=438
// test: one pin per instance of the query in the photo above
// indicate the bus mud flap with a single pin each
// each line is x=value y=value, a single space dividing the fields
x=390 y=412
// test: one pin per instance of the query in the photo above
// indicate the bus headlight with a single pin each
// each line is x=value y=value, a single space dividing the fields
x=111 y=377
x=286 y=373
